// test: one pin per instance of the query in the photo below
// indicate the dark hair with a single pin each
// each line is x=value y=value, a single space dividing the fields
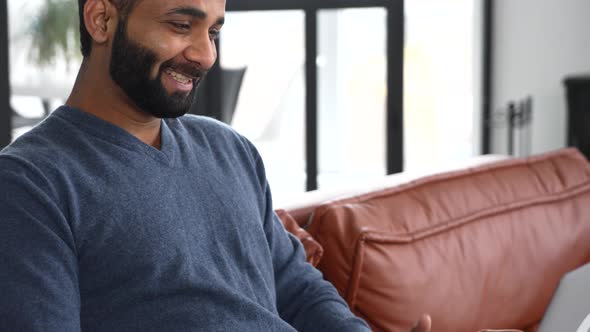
x=123 y=6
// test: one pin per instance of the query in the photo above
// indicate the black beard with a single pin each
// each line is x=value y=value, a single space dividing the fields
x=130 y=68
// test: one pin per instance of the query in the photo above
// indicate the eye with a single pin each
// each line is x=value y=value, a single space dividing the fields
x=183 y=27
x=214 y=34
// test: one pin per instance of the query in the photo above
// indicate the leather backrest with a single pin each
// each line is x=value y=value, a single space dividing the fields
x=301 y=206
x=479 y=248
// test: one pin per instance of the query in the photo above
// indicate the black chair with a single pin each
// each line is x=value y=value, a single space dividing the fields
x=230 y=85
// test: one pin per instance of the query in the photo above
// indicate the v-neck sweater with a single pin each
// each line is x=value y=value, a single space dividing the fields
x=102 y=232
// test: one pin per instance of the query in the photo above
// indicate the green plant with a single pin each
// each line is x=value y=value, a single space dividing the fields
x=54 y=32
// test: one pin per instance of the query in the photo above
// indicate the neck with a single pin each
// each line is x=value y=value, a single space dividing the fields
x=94 y=92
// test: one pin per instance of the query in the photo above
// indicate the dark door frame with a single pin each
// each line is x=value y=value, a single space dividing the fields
x=5 y=110
x=487 y=77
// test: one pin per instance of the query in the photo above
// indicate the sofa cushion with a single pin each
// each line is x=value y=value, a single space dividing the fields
x=484 y=247
x=313 y=250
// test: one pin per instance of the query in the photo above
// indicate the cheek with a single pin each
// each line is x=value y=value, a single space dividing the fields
x=159 y=48
x=157 y=43
x=163 y=48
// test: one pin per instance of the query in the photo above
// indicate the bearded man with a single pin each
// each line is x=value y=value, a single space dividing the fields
x=121 y=213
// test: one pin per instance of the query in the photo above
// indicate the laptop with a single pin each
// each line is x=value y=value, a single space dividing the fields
x=569 y=310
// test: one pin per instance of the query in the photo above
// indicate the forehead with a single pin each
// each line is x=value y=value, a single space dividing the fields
x=213 y=8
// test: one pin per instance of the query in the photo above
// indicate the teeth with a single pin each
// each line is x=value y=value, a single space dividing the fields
x=178 y=77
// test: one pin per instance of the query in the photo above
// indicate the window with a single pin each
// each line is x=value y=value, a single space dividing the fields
x=352 y=78
x=324 y=94
x=270 y=110
x=441 y=76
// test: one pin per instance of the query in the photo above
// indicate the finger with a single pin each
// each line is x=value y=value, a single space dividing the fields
x=424 y=324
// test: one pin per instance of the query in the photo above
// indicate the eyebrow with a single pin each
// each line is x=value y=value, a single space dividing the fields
x=193 y=12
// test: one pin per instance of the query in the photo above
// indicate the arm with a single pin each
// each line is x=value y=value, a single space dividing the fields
x=38 y=265
x=304 y=299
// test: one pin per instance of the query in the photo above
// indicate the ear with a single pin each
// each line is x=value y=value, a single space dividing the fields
x=100 y=18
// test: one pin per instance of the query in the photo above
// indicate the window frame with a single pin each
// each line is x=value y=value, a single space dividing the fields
x=395 y=73
x=5 y=109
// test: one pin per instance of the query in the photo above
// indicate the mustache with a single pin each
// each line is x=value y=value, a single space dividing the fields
x=192 y=70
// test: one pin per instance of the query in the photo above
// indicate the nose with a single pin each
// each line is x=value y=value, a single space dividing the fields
x=202 y=51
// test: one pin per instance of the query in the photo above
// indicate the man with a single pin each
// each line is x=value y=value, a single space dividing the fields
x=118 y=213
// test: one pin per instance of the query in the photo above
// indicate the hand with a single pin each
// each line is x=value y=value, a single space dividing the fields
x=423 y=324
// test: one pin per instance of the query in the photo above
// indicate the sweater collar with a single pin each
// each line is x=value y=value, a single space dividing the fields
x=117 y=135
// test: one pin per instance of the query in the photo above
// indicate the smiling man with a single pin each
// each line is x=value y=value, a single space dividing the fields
x=119 y=213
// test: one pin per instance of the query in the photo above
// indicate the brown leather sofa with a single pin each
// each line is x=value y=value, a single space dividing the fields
x=476 y=248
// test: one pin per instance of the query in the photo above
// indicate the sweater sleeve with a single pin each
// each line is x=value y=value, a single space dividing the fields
x=38 y=265
x=304 y=299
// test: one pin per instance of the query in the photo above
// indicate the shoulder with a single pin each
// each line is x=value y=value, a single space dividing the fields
x=222 y=143
x=37 y=158
x=34 y=147
x=38 y=148
x=24 y=176
x=206 y=125
x=215 y=134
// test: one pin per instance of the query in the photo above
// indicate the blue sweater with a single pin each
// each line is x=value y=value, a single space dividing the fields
x=101 y=232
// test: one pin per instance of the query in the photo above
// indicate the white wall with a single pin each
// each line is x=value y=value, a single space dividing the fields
x=536 y=44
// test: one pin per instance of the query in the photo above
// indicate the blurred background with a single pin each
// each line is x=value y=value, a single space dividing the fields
x=336 y=93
